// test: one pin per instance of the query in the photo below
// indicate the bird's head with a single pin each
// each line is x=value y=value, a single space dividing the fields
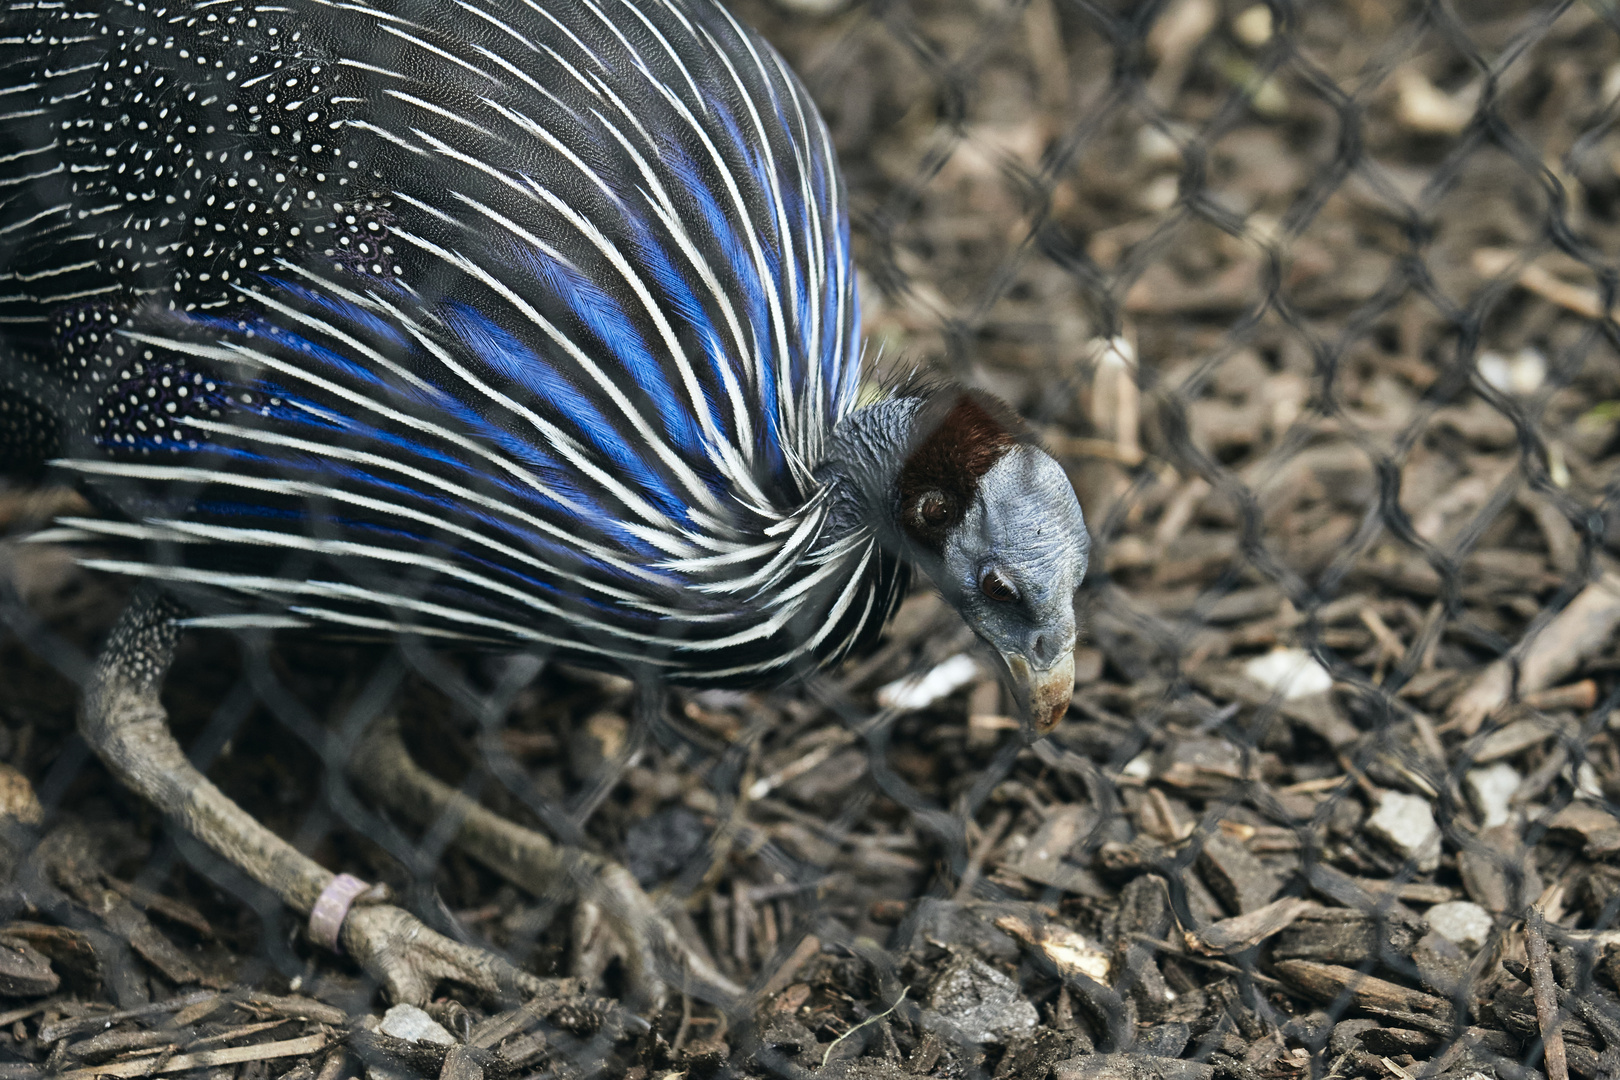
x=994 y=521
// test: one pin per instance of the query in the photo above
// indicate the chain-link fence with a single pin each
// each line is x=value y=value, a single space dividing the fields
x=1316 y=303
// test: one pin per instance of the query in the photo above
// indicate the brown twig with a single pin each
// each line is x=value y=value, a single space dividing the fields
x=230 y=1055
x=807 y=948
x=1373 y=791
x=1545 y=993
x=332 y=1064
x=686 y=1024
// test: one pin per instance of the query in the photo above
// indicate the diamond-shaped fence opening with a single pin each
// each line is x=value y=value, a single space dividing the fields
x=1316 y=305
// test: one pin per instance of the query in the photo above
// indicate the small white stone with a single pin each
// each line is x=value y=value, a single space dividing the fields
x=1293 y=673
x=1524 y=373
x=1159 y=147
x=1405 y=824
x=1587 y=784
x=984 y=1004
x=1253 y=26
x=1114 y=352
x=1422 y=106
x=412 y=1024
x=1611 y=84
x=920 y=691
x=1160 y=194
x=1491 y=790
x=1461 y=922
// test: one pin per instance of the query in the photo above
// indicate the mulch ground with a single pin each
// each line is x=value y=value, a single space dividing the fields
x=1316 y=316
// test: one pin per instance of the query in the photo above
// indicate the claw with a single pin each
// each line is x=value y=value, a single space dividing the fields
x=411 y=960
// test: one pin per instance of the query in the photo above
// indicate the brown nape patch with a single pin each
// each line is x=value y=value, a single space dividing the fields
x=960 y=434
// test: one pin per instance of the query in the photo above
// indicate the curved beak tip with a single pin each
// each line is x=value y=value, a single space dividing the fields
x=1043 y=694
x=1046 y=724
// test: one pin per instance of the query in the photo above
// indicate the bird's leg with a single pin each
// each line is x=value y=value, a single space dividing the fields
x=124 y=722
x=656 y=952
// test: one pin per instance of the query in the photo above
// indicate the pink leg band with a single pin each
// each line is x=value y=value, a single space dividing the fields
x=332 y=907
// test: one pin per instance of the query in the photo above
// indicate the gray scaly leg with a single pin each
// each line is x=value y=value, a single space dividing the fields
x=126 y=725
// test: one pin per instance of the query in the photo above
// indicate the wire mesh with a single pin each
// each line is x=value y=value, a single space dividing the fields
x=1316 y=304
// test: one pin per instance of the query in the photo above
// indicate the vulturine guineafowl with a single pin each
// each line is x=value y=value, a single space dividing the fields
x=524 y=324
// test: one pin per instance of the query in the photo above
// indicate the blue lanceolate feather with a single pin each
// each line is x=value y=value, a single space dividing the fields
x=567 y=497
x=368 y=323
x=739 y=263
x=677 y=292
x=618 y=334
x=716 y=223
x=506 y=528
x=513 y=360
x=849 y=383
x=220 y=508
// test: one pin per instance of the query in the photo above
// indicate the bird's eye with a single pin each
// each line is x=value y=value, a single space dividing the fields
x=997 y=588
x=932 y=509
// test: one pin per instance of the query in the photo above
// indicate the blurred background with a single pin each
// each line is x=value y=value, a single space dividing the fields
x=1316 y=302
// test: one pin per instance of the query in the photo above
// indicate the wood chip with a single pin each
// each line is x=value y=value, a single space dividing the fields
x=1248 y=930
x=1582 y=300
x=526 y=1050
x=1319 y=714
x=1130 y=1067
x=193 y=1013
x=1346 y=936
x=1242 y=881
x=491 y=1032
x=1045 y=857
x=460 y=1063
x=1067 y=951
x=1484 y=869
x=76 y=1025
x=171 y=909
x=232 y=1034
x=18 y=801
x=1326 y=982
x=207 y=1059
x=25 y=972
x=1546 y=994
x=297 y=1007
x=1581 y=630
x=1417 y=892
x=783 y=975
x=11 y=1016
x=112 y=1043
x=1512 y=739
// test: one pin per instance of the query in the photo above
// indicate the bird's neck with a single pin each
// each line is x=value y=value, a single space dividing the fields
x=864 y=459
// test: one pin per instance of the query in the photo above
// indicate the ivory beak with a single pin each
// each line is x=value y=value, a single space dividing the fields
x=1043 y=694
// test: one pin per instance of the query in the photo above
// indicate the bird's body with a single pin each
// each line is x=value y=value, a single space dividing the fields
x=494 y=320
x=524 y=323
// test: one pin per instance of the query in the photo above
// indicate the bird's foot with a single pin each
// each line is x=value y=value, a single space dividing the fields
x=411 y=960
x=619 y=918
x=656 y=952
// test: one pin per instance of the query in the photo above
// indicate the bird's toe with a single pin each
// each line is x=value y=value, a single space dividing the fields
x=411 y=961
x=658 y=957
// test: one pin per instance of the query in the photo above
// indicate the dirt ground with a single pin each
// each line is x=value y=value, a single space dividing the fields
x=1317 y=308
